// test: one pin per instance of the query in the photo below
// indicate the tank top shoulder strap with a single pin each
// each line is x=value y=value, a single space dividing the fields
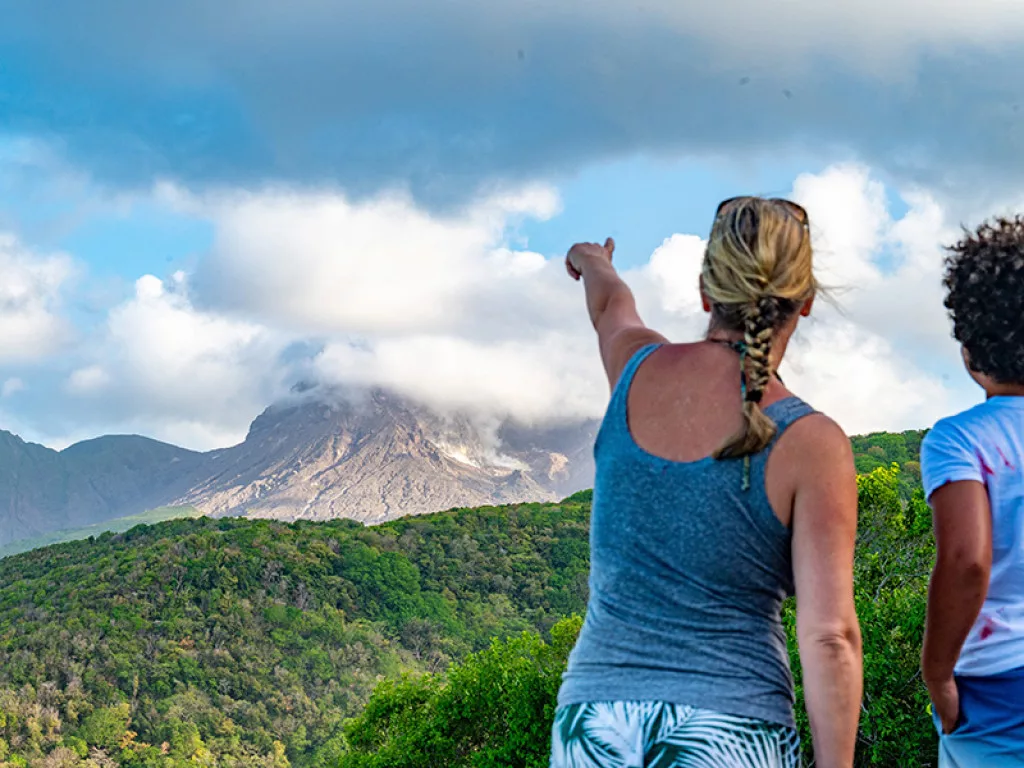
x=785 y=412
x=620 y=394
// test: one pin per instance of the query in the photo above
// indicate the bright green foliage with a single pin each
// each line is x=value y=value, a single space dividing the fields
x=105 y=727
x=461 y=719
x=242 y=642
x=881 y=450
x=492 y=711
x=895 y=553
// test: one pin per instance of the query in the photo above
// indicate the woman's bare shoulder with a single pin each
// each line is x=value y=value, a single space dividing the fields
x=816 y=443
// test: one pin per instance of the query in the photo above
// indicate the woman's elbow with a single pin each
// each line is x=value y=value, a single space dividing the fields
x=835 y=639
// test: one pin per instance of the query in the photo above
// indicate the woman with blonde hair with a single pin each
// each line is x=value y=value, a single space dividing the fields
x=718 y=494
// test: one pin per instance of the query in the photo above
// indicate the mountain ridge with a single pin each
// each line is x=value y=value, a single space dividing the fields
x=43 y=490
x=369 y=455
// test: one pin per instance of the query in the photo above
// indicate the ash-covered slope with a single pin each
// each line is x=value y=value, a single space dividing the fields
x=374 y=456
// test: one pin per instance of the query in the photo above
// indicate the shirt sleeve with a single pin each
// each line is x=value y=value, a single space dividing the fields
x=948 y=455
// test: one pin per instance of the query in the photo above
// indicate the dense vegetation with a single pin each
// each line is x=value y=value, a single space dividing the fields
x=883 y=449
x=235 y=642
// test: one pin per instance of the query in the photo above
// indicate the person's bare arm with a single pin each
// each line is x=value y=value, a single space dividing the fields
x=959 y=584
x=824 y=528
x=611 y=306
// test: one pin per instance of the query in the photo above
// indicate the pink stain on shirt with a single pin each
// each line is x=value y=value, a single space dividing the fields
x=1006 y=461
x=985 y=468
x=987 y=629
x=990 y=624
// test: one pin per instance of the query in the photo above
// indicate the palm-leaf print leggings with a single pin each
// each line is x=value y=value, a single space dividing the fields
x=655 y=734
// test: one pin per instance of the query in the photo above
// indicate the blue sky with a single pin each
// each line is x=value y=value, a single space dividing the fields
x=189 y=193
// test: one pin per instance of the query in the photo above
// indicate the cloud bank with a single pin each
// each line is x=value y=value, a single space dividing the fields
x=381 y=292
x=446 y=98
x=31 y=325
x=161 y=367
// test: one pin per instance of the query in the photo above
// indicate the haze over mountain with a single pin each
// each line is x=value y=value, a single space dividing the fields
x=324 y=453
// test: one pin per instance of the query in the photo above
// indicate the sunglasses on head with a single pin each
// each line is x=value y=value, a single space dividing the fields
x=797 y=211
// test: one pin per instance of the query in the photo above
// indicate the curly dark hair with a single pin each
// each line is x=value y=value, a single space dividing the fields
x=985 y=297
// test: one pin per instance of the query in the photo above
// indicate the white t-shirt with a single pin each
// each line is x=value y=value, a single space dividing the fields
x=986 y=444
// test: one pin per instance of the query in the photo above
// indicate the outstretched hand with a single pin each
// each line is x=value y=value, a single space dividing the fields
x=582 y=251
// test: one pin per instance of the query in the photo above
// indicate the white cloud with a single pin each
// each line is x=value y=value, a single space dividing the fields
x=887 y=273
x=555 y=375
x=858 y=378
x=168 y=369
x=11 y=386
x=882 y=360
x=878 y=362
x=291 y=266
x=92 y=378
x=31 y=327
x=316 y=262
x=183 y=356
x=673 y=274
x=848 y=216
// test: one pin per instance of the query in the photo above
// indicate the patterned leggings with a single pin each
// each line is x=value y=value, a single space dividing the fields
x=655 y=734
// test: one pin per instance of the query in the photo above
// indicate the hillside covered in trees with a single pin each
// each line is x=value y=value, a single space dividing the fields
x=238 y=642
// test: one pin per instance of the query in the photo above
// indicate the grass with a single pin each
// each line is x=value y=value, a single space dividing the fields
x=116 y=525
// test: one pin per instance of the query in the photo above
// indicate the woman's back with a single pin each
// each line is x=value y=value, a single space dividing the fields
x=717 y=495
x=689 y=566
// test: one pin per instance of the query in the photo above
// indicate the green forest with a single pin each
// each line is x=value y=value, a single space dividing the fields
x=429 y=641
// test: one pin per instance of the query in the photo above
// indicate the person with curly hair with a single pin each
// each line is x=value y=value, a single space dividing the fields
x=718 y=494
x=972 y=467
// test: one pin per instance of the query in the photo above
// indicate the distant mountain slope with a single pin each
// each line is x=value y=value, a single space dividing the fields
x=369 y=456
x=42 y=490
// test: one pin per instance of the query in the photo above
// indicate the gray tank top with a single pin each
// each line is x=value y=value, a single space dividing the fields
x=688 y=573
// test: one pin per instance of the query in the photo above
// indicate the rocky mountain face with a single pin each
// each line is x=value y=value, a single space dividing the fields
x=374 y=456
x=370 y=456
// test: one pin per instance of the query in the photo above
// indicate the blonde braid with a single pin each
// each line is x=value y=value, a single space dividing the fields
x=759 y=319
x=757 y=335
x=756 y=273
